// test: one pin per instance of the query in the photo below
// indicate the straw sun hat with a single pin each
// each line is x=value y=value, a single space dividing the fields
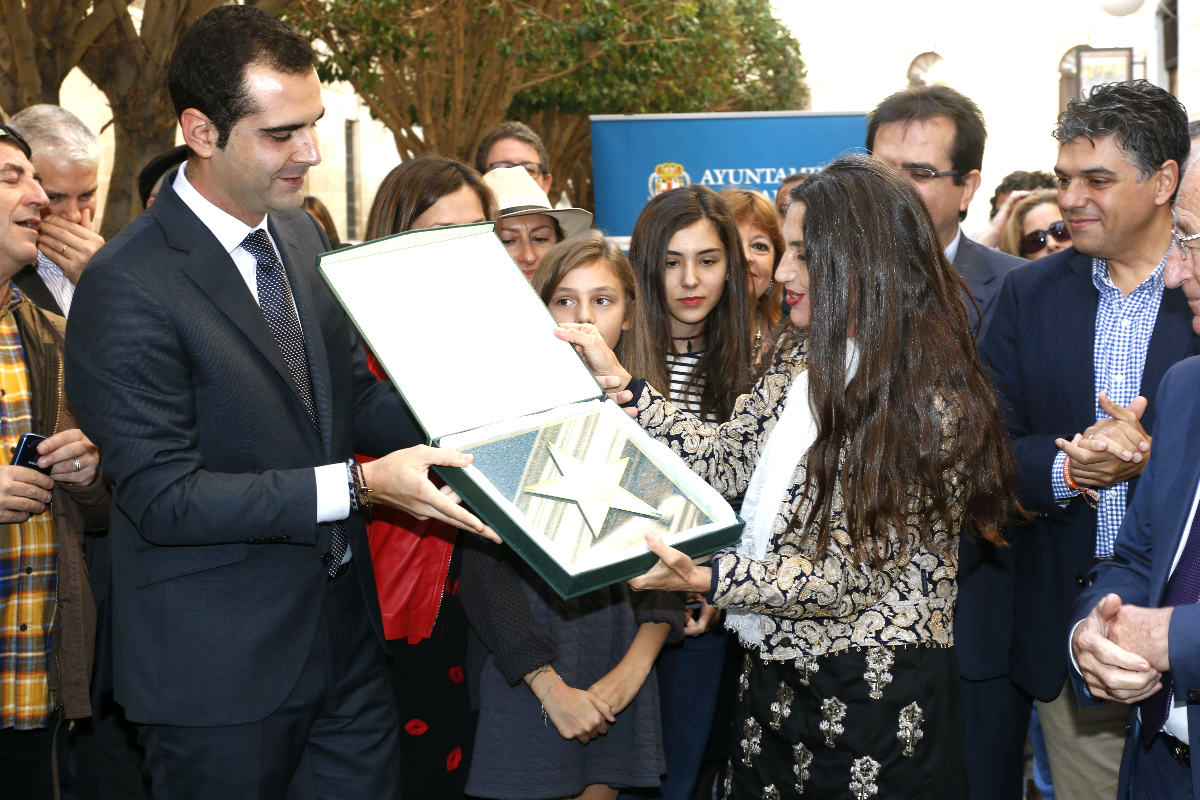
x=518 y=194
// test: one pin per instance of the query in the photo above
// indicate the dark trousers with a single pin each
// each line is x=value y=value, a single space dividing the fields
x=27 y=763
x=335 y=736
x=995 y=725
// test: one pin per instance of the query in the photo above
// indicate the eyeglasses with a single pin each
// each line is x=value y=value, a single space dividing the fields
x=7 y=133
x=1035 y=241
x=1181 y=241
x=532 y=167
x=925 y=175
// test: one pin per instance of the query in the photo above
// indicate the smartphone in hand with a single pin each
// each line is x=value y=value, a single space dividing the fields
x=25 y=454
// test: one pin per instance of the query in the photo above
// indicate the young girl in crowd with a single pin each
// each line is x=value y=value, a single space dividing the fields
x=414 y=563
x=762 y=245
x=691 y=335
x=568 y=702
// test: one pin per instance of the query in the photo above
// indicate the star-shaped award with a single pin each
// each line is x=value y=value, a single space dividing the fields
x=595 y=489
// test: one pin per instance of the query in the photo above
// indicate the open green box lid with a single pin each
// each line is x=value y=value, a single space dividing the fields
x=566 y=478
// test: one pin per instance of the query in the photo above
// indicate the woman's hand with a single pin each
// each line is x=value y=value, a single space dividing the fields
x=576 y=713
x=599 y=356
x=674 y=572
x=700 y=619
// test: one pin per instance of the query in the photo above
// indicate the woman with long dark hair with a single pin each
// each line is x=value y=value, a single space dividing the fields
x=691 y=335
x=871 y=443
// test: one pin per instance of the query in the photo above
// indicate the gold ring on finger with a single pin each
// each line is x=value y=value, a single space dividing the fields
x=66 y=247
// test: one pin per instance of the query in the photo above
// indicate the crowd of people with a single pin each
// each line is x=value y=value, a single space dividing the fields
x=227 y=570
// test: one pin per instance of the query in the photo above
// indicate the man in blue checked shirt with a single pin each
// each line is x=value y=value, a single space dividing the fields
x=1077 y=347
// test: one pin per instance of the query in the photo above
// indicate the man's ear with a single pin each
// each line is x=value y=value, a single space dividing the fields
x=971 y=183
x=199 y=132
x=1166 y=181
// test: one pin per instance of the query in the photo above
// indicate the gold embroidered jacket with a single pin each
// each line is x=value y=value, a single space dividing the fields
x=817 y=606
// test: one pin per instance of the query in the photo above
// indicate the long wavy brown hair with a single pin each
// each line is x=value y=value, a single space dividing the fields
x=723 y=371
x=876 y=269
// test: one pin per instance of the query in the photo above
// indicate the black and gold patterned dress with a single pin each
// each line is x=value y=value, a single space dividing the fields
x=853 y=689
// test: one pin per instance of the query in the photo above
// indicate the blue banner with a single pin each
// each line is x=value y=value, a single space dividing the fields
x=637 y=156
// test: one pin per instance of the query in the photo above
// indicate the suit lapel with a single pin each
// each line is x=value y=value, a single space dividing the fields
x=299 y=264
x=211 y=269
x=1174 y=514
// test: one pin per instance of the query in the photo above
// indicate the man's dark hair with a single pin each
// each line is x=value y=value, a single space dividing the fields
x=1150 y=124
x=1019 y=181
x=926 y=102
x=208 y=68
x=511 y=130
x=10 y=136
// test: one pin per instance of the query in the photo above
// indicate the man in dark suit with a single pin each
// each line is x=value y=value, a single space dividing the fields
x=1077 y=346
x=229 y=391
x=1137 y=627
x=935 y=136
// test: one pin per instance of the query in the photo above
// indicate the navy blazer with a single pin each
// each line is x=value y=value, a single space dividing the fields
x=983 y=268
x=174 y=372
x=983 y=613
x=1039 y=350
x=1146 y=546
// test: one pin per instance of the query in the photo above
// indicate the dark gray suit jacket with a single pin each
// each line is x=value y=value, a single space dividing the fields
x=217 y=578
x=984 y=269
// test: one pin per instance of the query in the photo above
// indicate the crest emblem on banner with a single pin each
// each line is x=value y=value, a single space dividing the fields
x=668 y=176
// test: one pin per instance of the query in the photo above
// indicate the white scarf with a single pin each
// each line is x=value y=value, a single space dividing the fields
x=793 y=436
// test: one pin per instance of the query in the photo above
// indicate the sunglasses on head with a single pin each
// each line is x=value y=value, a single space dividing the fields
x=1034 y=241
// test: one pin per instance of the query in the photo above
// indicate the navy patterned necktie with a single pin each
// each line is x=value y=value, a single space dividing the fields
x=275 y=300
x=1183 y=588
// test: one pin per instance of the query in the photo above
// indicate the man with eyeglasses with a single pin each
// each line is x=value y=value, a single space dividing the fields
x=1077 y=347
x=514 y=144
x=934 y=135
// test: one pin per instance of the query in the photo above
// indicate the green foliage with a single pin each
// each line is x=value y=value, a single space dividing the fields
x=706 y=55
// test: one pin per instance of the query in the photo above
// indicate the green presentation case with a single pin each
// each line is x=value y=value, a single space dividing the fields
x=567 y=479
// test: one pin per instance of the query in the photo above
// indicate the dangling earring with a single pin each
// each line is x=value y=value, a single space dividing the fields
x=770 y=288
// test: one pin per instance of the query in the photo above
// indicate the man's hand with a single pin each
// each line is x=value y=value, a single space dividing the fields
x=1111 y=671
x=71 y=456
x=69 y=244
x=23 y=493
x=1144 y=631
x=674 y=572
x=401 y=480
x=1113 y=449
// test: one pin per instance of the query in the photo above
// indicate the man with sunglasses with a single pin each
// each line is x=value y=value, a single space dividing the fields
x=934 y=136
x=1138 y=631
x=514 y=144
x=1077 y=347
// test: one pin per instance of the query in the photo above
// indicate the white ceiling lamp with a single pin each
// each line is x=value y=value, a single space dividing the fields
x=1121 y=8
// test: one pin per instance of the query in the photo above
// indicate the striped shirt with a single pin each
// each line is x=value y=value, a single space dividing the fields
x=680 y=367
x=57 y=282
x=28 y=574
x=1123 y=329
